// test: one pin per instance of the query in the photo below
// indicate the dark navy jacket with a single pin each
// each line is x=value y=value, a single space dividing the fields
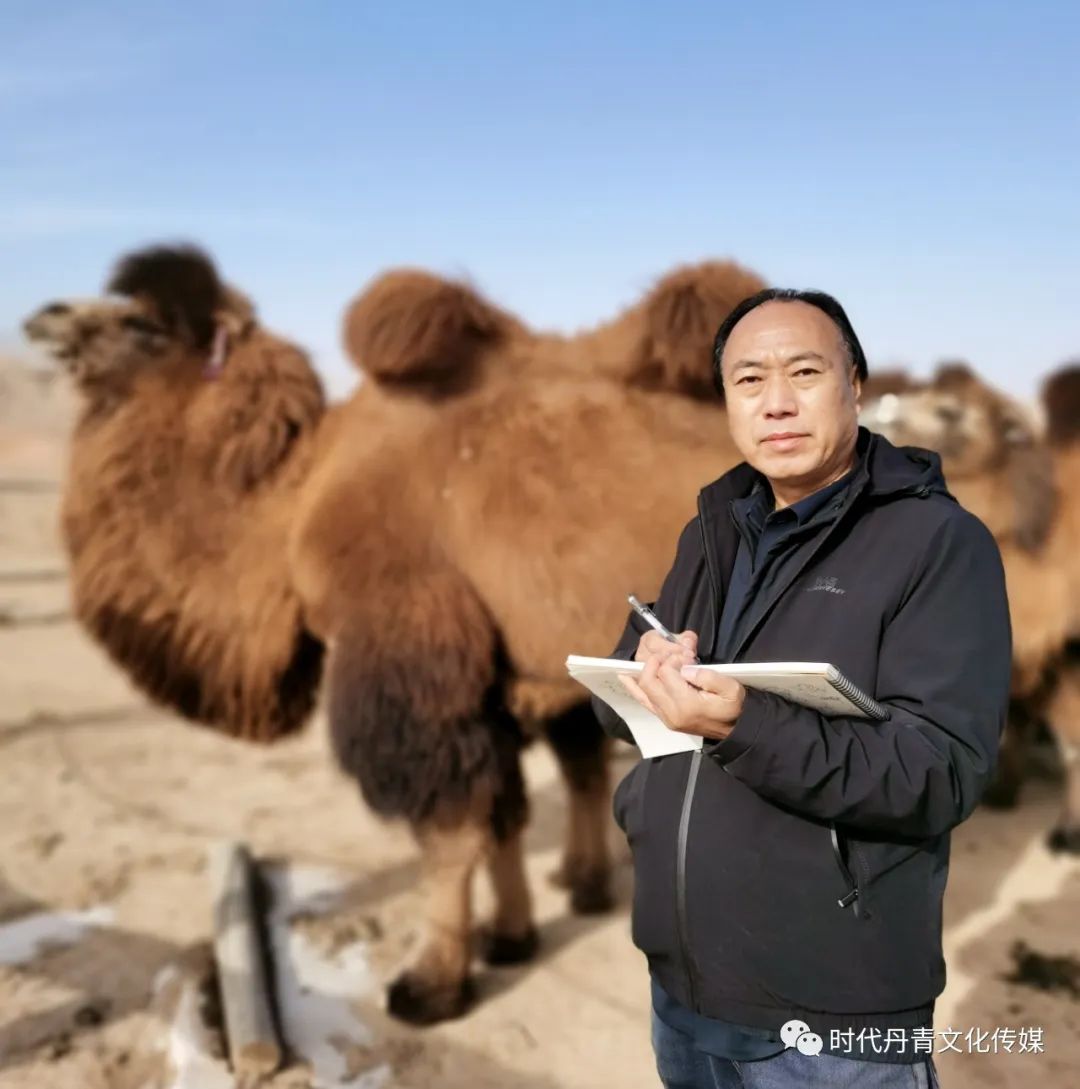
x=796 y=869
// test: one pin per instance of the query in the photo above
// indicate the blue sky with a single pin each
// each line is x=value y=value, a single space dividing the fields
x=921 y=162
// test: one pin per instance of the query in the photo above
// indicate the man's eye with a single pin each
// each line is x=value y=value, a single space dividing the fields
x=747 y=378
x=807 y=370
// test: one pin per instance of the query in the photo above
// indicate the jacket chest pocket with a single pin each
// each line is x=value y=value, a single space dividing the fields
x=628 y=802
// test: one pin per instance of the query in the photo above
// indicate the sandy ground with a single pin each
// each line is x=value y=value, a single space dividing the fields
x=107 y=806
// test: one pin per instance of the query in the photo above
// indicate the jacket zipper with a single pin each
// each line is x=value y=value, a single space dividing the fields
x=681 y=921
x=680 y=878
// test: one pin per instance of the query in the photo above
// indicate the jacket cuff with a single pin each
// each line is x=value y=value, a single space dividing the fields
x=745 y=733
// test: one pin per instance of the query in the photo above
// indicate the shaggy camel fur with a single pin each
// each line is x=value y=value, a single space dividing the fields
x=998 y=467
x=1061 y=408
x=479 y=508
x=176 y=508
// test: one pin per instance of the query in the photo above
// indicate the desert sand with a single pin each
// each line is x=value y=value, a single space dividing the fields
x=107 y=806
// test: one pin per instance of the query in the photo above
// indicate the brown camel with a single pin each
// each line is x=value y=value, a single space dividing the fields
x=1061 y=407
x=436 y=545
x=1000 y=468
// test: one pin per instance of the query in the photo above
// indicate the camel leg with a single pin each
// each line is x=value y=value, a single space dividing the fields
x=436 y=985
x=1004 y=791
x=512 y=936
x=1064 y=719
x=582 y=751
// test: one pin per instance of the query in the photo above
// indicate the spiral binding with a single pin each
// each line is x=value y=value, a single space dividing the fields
x=857 y=696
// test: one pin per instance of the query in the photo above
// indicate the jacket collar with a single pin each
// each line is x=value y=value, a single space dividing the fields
x=882 y=472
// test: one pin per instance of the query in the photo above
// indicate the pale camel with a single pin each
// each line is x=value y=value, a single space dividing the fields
x=999 y=466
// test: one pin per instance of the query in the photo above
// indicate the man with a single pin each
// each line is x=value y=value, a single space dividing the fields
x=789 y=875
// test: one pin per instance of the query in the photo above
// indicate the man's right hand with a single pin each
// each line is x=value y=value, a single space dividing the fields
x=652 y=642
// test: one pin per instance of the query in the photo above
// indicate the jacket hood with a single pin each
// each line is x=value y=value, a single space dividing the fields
x=882 y=471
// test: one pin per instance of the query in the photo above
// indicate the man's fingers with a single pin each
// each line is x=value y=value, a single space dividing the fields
x=715 y=683
x=670 y=694
x=653 y=643
x=631 y=685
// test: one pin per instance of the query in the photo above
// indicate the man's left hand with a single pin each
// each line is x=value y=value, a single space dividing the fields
x=686 y=699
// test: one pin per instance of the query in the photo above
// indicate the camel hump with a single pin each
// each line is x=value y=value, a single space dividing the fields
x=680 y=318
x=182 y=285
x=1061 y=405
x=410 y=327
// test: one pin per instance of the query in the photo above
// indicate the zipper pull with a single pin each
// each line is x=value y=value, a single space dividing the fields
x=851 y=897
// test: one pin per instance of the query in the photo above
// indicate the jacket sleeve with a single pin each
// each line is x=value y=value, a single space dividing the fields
x=670 y=609
x=943 y=672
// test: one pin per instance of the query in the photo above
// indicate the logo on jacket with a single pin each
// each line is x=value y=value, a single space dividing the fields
x=829 y=585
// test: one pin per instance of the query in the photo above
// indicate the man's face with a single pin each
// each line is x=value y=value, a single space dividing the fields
x=792 y=397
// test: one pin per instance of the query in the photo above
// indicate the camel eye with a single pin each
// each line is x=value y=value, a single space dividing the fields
x=949 y=414
x=137 y=324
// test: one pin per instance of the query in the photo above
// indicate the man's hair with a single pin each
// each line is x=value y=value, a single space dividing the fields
x=825 y=303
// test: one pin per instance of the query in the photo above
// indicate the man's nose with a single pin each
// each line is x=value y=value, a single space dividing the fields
x=779 y=397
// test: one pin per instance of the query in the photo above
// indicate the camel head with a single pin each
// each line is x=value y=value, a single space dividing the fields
x=982 y=436
x=196 y=434
x=165 y=306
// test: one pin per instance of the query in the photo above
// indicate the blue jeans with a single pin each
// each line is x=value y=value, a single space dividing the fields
x=682 y=1066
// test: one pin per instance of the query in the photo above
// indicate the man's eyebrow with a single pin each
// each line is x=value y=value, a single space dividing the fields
x=800 y=357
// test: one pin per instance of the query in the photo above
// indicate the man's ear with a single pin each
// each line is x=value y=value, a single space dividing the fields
x=410 y=328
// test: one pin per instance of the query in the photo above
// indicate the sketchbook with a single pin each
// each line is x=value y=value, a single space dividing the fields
x=814 y=684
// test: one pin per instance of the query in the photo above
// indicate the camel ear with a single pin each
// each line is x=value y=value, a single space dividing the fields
x=681 y=316
x=893 y=380
x=1030 y=472
x=247 y=421
x=266 y=430
x=1061 y=405
x=414 y=329
x=955 y=376
x=180 y=283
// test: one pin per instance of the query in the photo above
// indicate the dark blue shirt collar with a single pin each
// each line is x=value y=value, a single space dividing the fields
x=759 y=504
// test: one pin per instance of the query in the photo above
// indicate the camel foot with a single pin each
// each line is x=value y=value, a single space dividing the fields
x=505 y=949
x=559 y=878
x=422 y=1001
x=590 y=893
x=1065 y=838
x=1002 y=794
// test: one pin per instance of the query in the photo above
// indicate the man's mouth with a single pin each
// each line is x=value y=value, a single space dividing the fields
x=784 y=440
